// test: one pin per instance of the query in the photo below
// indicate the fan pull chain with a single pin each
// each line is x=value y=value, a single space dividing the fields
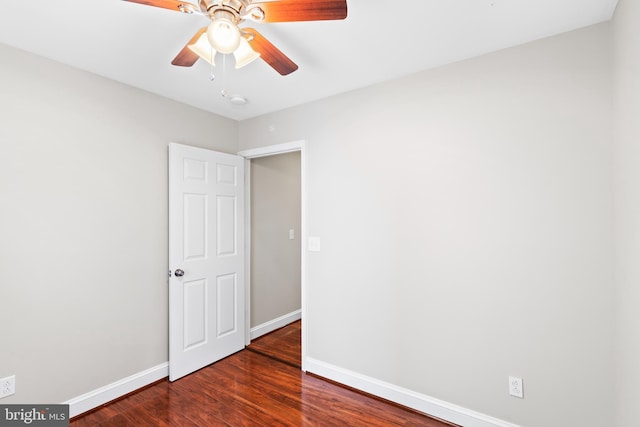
x=223 y=92
x=212 y=76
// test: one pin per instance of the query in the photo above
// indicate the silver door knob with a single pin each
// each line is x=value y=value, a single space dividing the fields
x=179 y=273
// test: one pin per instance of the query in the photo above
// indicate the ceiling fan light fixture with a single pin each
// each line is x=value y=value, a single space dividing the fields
x=245 y=54
x=224 y=35
x=203 y=49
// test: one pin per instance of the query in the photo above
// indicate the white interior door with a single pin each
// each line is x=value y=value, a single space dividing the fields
x=206 y=258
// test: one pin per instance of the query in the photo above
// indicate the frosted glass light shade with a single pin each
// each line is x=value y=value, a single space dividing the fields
x=223 y=35
x=244 y=54
x=203 y=49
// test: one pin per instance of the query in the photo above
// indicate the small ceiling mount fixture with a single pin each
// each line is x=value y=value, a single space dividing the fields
x=235 y=99
x=225 y=35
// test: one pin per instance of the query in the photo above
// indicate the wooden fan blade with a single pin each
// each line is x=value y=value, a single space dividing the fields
x=302 y=10
x=180 y=6
x=186 y=57
x=271 y=54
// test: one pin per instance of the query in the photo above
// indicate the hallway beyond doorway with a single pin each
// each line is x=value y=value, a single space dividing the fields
x=283 y=344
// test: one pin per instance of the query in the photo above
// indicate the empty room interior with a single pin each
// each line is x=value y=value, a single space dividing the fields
x=465 y=206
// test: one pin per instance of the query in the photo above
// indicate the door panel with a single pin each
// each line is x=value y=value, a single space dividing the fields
x=227 y=296
x=195 y=325
x=195 y=228
x=226 y=225
x=206 y=235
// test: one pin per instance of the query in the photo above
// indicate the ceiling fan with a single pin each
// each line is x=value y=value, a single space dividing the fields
x=225 y=36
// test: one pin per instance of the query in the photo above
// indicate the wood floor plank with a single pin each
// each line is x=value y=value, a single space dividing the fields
x=283 y=344
x=250 y=388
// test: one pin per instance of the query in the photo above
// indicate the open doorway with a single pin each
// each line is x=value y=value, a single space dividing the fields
x=275 y=242
x=275 y=264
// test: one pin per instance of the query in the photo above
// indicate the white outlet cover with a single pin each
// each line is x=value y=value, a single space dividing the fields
x=7 y=386
x=515 y=387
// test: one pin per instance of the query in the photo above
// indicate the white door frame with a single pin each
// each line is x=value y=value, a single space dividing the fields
x=264 y=152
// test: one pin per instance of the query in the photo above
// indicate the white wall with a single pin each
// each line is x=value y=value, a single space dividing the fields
x=83 y=225
x=466 y=223
x=626 y=43
x=275 y=259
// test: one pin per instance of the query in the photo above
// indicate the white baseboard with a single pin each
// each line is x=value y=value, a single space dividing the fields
x=274 y=324
x=95 y=398
x=98 y=397
x=411 y=399
x=420 y=402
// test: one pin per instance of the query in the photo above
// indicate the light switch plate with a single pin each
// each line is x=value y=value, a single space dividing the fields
x=314 y=244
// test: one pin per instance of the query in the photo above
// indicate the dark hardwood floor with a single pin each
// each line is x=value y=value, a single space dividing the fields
x=283 y=344
x=256 y=387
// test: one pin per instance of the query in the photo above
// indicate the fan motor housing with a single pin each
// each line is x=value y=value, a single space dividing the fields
x=237 y=7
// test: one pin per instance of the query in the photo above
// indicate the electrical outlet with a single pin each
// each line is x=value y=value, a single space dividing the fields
x=7 y=386
x=515 y=387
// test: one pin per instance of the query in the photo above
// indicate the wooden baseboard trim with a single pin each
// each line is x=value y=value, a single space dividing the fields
x=274 y=324
x=422 y=403
x=93 y=399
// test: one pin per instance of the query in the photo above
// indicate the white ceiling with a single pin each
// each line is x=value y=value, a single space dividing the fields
x=380 y=40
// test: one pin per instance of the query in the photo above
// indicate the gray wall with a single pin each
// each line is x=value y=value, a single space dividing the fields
x=275 y=259
x=465 y=214
x=83 y=225
x=626 y=43
x=466 y=223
